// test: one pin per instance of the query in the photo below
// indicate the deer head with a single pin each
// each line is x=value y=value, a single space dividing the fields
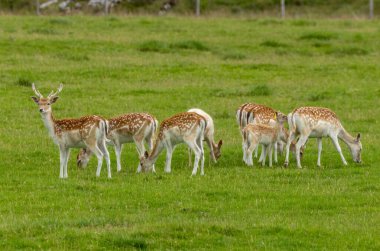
x=356 y=149
x=145 y=162
x=83 y=157
x=217 y=152
x=44 y=104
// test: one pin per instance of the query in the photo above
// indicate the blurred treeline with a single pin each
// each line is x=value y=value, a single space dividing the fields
x=187 y=6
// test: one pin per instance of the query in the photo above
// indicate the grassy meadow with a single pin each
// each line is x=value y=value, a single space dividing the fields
x=115 y=65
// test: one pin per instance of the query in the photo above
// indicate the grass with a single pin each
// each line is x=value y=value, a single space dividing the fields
x=166 y=65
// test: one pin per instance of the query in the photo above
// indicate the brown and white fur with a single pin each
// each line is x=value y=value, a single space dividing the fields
x=250 y=113
x=127 y=128
x=186 y=127
x=88 y=131
x=318 y=122
x=264 y=134
x=215 y=152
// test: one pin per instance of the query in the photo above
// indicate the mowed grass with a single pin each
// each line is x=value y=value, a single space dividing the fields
x=166 y=65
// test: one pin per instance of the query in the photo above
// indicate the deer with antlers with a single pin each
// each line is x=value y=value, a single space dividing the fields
x=88 y=131
x=186 y=127
x=319 y=122
x=127 y=128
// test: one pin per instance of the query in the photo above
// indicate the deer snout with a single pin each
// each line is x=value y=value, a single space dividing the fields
x=41 y=110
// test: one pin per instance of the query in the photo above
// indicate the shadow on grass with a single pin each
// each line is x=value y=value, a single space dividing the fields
x=25 y=82
x=163 y=47
x=319 y=96
x=233 y=56
x=257 y=90
x=274 y=44
x=318 y=36
x=43 y=31
x=348 y=51
x=123 y=242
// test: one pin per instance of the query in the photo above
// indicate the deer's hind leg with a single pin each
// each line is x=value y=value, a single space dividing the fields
x=103 y=148
x=93 y=146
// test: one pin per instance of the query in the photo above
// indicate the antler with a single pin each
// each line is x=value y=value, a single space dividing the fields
x=53 y=94
x=36 y=91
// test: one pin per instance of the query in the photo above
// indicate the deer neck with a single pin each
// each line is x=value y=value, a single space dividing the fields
x=49 y=122
x=346 y=138
x=157 y=149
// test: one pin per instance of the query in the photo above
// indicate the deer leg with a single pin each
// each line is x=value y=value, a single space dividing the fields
x=62 y=159
x=265 y=148
x=275 y=152
x=301 y=141
x=118 y=147
x=103 y=148
x=199 y=143
x=169 y=154
x=190 y=154
x=290 y=139
x=65 y=164
x=337 y=146
x=99 y=155
x=149 y=141
x=257 y=153
x=140 y=150
x=262 y=153
x=319 y=140
x=197 y=153
x=270 y=154
x=249 y=153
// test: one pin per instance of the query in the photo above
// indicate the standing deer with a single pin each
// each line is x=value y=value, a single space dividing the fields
x=88 y=131
x=186 y=127
x=318 y=122
x=131 y=127
x=267 y=136
x=208 y=136
x=258 y=114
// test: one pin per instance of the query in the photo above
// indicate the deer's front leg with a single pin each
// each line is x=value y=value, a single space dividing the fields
x=140 y=149
x=169 y=153
x=63 y=155
x=118 y=147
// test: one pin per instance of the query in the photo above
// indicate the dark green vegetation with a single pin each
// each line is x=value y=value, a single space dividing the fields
x=115 y=65
x=316 y=8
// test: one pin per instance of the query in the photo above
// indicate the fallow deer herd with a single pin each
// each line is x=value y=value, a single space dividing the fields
x=258 y=124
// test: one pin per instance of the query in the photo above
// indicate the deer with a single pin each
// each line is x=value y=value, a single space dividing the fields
x=319 y=122
x=264 y=134
x=186 y=127
x=215 y=152
x=88 y=131
x=258 y=114
x=127 y=128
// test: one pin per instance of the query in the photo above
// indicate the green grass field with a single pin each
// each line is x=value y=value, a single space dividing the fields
x=116 y=65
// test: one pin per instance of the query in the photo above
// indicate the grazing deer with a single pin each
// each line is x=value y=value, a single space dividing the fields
x=318 y=122
x=127 y=128
x=88 y=131
x=187 y=127
x=250 y=113
x=267 y=136
x=208 y=136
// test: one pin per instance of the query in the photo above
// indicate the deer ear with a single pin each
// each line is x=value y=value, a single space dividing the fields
x=358 y=137
x=220 y=143
x=35 y=99
x=54 y=99
x=146 y=154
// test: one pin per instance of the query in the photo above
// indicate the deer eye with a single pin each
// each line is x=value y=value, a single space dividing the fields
x=48 y=103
